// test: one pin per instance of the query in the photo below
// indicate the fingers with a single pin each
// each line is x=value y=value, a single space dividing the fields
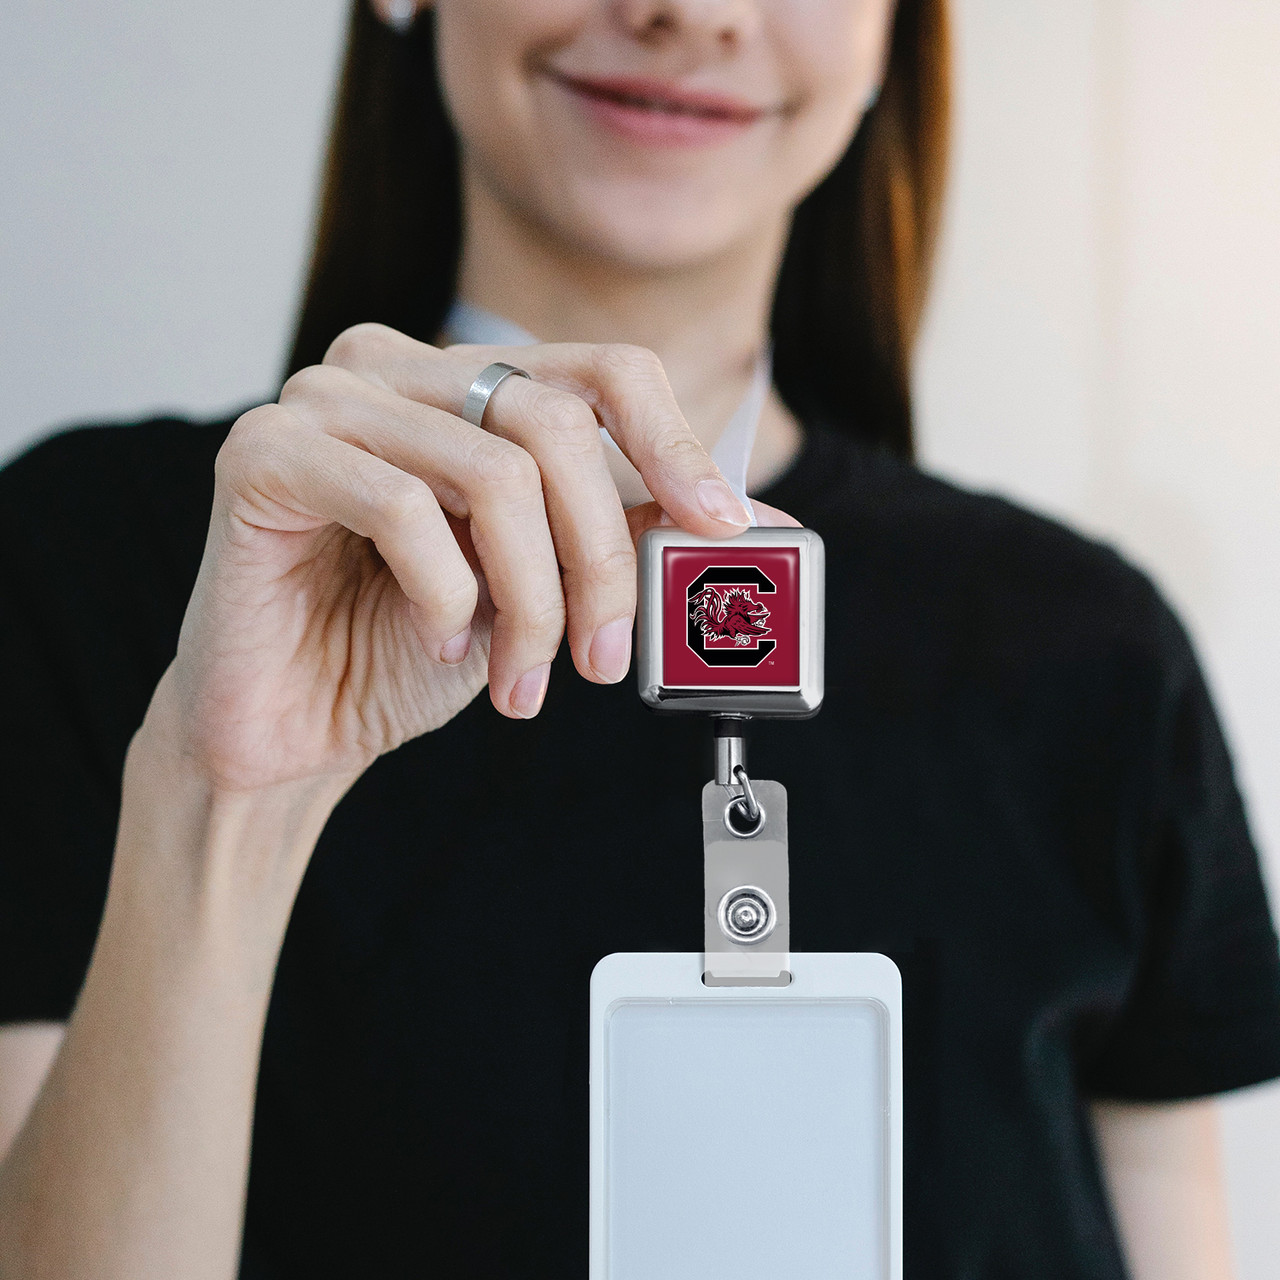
x=513 y=542
x=627 y=389
x=278 y=473
x=588 y=526
x=648 y=514
x=560 y=433
x=624 y=386
x=549 y=499
x=475 y=475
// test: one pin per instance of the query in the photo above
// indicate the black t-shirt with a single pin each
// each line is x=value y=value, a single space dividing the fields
x=1017 y=789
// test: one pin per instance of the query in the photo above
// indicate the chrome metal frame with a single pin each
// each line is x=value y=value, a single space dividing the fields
x=795 y=702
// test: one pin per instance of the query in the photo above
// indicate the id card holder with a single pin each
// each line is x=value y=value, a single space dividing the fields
x=746 y=1131
x=746 y=1100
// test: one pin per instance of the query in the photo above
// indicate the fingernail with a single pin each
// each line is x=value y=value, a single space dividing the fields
x=718 y=501
x=456 y=649
x=531 y=688
x=611 y=650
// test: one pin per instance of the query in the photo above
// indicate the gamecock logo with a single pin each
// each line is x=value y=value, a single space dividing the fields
x=733 y=615
x=726 y=621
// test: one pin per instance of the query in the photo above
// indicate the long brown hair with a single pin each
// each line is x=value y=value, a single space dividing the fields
x=854 y=277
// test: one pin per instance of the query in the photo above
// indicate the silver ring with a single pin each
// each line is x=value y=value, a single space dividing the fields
x=483 y=387
x=757 y=823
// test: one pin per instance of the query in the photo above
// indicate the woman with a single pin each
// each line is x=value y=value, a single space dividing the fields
x=1017 y=788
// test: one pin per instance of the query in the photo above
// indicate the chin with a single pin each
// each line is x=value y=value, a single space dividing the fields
x=649 y=248
x=650 y=234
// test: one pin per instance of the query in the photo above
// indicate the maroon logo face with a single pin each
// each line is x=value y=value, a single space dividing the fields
x=729 y=614
x=731 y=617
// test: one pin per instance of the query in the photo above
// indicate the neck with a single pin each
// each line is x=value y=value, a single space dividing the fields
x=707 y=322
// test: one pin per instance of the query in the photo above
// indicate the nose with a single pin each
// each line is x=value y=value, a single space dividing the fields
x=724 y=24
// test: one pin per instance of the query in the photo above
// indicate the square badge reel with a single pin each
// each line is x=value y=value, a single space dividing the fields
x=746 y=1100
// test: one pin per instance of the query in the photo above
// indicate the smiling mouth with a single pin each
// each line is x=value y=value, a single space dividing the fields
x=655 y=105
x=659 y=105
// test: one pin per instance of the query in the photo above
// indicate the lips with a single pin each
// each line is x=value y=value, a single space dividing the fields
x=661 y=113
x=643 y=93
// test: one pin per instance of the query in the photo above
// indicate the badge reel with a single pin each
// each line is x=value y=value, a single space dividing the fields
x=746 y=1105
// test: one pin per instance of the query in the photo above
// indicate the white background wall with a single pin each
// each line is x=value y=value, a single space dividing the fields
x=1105 y=341
x=1105 y=344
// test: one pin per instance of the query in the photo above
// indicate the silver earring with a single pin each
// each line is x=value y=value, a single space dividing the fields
x=400 y=15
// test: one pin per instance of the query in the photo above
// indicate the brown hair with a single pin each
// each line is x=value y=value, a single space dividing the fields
x=853 y=280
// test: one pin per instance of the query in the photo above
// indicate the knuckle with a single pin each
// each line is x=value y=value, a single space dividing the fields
x=679 y=450
x=612 y=565
x=543 y=617
x=499 y=464
x=314 y=384
x=356 y=343
x=625 y=363
x=566 y=418
x=454 y=599
x=251 y=438
x=401 y=500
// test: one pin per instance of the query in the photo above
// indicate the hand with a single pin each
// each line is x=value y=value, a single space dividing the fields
x=373 y=559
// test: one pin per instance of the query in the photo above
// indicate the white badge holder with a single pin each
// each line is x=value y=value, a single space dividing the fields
x=746 y=1100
